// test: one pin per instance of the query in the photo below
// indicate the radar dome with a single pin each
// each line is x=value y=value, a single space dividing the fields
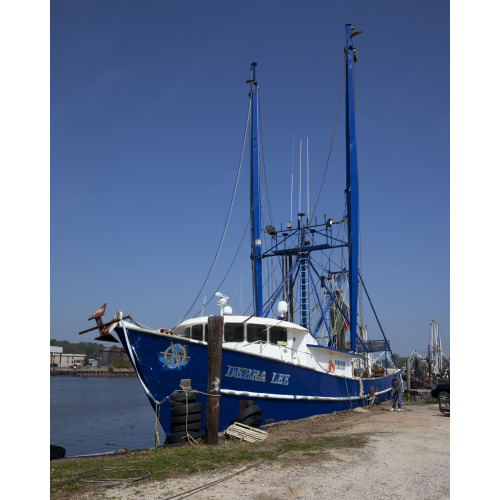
x=282 y=307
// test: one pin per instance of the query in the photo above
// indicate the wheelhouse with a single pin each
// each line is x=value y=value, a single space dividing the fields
x=237 y=332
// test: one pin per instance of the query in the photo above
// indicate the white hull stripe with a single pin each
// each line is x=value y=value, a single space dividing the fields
x=245 y=393
x=289 y=396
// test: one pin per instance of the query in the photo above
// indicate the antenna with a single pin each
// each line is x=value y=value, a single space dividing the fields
x=300 y=173
x=291 y=191
x=307 y=152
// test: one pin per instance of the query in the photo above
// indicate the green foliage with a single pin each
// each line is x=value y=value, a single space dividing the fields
x=122 y=363
x=167 y=463
x=90 y=349
x=400 y=361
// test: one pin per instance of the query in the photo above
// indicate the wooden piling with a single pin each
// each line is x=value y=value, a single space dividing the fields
x=214 y=367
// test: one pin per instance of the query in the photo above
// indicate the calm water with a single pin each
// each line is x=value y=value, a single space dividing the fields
x=88 y=413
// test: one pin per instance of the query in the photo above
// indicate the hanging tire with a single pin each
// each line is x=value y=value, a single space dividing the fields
x=179 y=403
x=57 y=452
x=175 y=403
x=177 y=437
x=181 y=419
x=180 y=396
x=195 y=426
x=247 y=412
x=253 y=421
x=175 y=411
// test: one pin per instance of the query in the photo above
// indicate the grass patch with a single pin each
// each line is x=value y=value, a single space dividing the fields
x=65 y=475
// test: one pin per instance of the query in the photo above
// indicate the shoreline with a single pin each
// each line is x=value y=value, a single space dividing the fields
x=103 y=371
x=420 y=434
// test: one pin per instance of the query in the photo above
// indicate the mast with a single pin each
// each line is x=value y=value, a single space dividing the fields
x=352 y=184
x=256 y=243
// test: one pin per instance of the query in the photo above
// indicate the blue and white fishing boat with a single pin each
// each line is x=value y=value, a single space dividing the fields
x=320 y=364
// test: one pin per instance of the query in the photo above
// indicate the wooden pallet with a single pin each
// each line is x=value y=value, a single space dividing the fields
x=245 y=433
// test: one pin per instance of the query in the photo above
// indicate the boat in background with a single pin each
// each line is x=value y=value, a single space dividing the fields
x=321 y=363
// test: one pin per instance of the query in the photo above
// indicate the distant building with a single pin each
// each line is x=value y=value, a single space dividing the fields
x=64 y=360
x=107 y=355
x=55 y=355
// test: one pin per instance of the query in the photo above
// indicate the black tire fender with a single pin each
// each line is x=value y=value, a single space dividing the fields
x=194 y=426
x=177 y=437
x=181 y=419
x=252 y=421
x=57 y=451
x=180 y=396
x=175 y=411
x=247 y=412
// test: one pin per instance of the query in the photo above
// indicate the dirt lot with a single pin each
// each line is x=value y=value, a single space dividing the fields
x=407 y=455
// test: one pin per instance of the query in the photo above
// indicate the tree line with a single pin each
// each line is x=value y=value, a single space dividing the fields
x=90 y=349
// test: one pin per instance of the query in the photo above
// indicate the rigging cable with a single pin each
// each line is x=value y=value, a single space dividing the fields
x=315 y=206
x=227 y=220
x=324 y=173
x=263 y=163
x=264 y=181
x=230 y=267
x=360 y=295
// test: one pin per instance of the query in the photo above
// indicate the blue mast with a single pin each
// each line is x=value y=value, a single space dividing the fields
x=256 y=244
x=352 y=184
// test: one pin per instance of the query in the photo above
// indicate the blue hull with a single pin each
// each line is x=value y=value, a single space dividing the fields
x=284 y=391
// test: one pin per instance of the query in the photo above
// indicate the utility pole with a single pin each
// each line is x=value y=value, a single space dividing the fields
x=214 y=368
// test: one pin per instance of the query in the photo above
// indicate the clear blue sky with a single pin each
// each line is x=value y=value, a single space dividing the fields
x=148 y=109
x=106 y=184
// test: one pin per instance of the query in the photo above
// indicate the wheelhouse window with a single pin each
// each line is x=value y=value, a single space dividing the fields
x=233 y=332
x=187 y=333
x=197 y=332
x=256 y=333
x=277 y=335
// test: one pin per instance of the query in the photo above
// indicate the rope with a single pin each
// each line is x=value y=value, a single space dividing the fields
x=347 y=388
x=108 y=481
x=157 y=419
x=188 y=493
x=189 y=437
x=111 y=481
x=261 y=151
x=229 y=269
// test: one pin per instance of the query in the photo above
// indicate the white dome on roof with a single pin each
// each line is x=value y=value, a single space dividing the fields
x=282 y=307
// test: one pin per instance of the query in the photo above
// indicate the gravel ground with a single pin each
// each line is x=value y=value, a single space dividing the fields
x=407 y=456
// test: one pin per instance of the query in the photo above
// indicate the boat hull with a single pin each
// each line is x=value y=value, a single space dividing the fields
x=283 y=390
